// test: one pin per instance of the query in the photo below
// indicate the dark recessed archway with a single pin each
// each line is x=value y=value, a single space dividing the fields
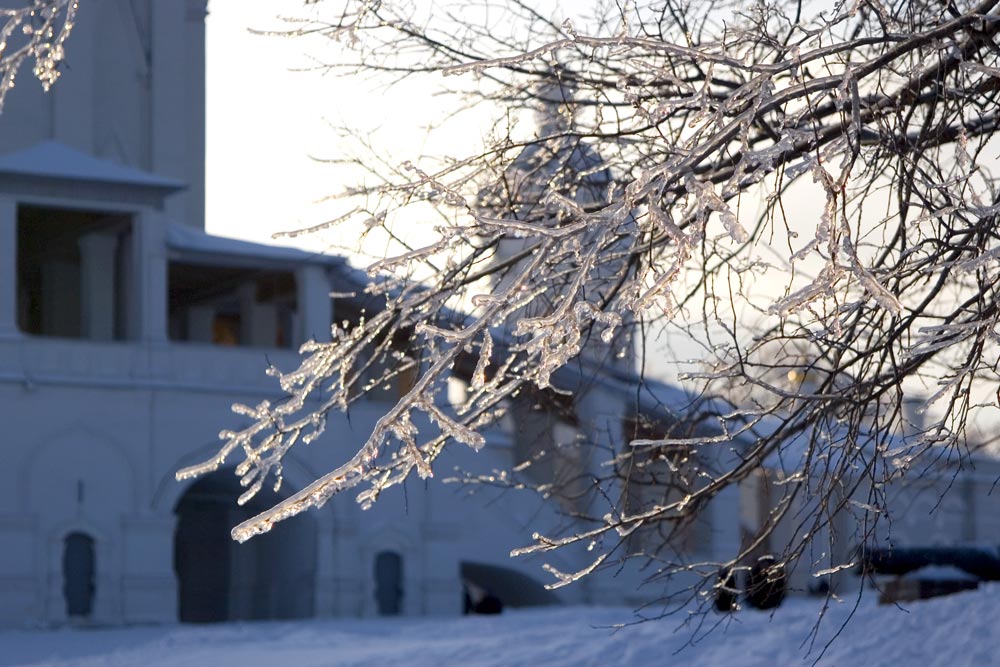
x=504 y=585
x=272 y=576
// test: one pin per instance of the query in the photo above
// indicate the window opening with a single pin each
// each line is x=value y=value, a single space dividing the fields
x=231 y=306
x=73 y=273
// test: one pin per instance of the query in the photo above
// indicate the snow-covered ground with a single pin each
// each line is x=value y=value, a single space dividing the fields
x=957 y=631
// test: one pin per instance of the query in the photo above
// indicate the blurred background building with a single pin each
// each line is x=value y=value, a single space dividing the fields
x=127 y=332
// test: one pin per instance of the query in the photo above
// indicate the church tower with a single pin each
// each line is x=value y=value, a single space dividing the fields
x=131 y=91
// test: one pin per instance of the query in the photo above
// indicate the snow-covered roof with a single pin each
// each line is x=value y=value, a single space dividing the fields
x=57 y=161
x=941 y=573
x=191 y=240
x=827 y=447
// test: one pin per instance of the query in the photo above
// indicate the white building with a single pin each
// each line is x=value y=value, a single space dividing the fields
x=943 y=500
x=126 y=333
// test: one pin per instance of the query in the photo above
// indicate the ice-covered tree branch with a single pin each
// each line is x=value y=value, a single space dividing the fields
x=803 y=191
x=35 y=32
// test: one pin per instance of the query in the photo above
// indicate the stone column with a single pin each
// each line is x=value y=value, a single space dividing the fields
x=314 y=304
x=326 y=570
x=600 y=421
x=60 y=298
x=258 y=321
x=265 y=325
x=149 y=259
x=201 y=323
x=8 y=268
x=97 y=286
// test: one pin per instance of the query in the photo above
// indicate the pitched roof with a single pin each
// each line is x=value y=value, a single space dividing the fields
x=57 y=161
x=191 y=240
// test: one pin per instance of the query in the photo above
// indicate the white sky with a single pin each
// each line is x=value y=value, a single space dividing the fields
x=263 y=123
x=267 y=124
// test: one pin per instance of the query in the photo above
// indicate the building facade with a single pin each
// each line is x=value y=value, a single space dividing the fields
x=127 y=332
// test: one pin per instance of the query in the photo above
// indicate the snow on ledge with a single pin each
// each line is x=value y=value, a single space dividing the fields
x=190 y=240
x=57 y=161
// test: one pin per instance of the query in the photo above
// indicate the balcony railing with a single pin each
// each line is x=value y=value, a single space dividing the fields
x=191 y=366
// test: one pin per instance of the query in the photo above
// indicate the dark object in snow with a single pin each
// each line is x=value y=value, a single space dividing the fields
x=510 y=587
x=927 y=572
x=977 y=562
x=725 y=591
x=766 y=584
x=907 y=589
x=928 y=582
x=479 y=601
x=820 y=588
x=490 y=604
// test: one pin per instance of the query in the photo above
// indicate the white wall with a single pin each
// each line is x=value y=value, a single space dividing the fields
x=127 y=92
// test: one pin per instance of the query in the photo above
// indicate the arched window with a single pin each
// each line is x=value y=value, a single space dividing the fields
x=79 y=567
x=389 y=583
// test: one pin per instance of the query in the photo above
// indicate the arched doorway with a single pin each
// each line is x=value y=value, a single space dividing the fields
x=389 y=583
x=504 y=586
x=272 y=576
x=79 y=566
